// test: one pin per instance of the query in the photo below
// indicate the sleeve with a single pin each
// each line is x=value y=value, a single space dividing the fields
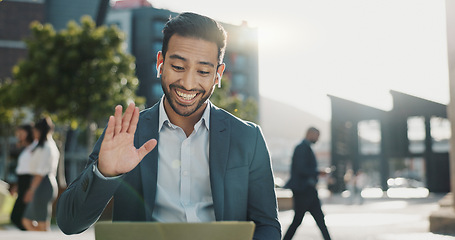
x=83 y=202
x=262 y=203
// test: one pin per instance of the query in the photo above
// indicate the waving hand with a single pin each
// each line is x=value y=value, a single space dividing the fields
x=118 y=154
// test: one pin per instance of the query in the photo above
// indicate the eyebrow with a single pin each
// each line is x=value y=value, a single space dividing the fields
x=176 y=56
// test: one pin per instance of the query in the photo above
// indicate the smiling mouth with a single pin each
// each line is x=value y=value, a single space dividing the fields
x=186 y=96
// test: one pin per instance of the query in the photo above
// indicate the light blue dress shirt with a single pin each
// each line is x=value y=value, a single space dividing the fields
x=183 y=186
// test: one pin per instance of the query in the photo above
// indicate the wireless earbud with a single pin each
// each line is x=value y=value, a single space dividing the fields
x=158 y=70
x=219 y=79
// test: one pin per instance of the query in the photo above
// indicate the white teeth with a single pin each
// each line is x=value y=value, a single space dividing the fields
x=186 y=96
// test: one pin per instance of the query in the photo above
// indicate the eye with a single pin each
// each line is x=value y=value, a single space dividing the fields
x=204 y=72
x=177 y=68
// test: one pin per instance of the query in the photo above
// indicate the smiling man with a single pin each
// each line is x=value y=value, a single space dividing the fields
x=184 y=159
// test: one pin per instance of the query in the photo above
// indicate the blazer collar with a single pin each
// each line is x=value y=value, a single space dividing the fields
x=218 y=157
x=147 y=130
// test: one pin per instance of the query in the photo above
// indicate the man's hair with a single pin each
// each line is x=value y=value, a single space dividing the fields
x=194 y=25
x=312 y=129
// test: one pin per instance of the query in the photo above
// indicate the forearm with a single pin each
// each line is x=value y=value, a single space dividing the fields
x=84 y=201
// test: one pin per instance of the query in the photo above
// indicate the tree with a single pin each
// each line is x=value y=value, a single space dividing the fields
x=9 y=118
x=246 y=109
x=77 y=75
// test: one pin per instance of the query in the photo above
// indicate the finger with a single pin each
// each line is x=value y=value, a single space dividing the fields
x=109 y=134
x=146 y=148
x=134 y=120
x=118 y=119
x=127 y=117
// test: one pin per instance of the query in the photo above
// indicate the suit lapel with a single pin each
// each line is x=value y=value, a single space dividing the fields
x=149 y=165
x=218 y=157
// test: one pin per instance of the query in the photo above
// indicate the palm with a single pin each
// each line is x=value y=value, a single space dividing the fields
x=118 y=154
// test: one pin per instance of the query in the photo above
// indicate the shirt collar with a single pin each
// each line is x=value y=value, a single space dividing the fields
x=163 y=118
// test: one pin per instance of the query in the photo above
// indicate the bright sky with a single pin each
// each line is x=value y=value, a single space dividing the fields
x=354 y=49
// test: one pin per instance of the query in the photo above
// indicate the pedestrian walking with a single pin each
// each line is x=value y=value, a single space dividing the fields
x=25 y=140
x=304 y=177
x=43 y=189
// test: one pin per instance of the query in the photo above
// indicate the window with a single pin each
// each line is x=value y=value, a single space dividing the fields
x=238 y=82
x=369 y=134
x=157 y=28
x=416 y=134
x=440 y=134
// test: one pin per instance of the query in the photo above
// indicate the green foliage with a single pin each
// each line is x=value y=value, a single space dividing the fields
x=9 y=116
x=246 y=109
x=78 y=74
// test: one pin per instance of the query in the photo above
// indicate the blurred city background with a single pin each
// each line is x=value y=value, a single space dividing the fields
x=373 y=76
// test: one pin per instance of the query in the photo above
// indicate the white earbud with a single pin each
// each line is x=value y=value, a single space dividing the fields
x=158 y=70
x=219 y=79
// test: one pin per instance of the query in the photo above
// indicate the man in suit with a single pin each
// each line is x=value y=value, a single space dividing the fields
x=304 y=176
x=184 y=159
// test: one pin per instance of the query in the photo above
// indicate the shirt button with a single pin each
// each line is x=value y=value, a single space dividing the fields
x=185 y=173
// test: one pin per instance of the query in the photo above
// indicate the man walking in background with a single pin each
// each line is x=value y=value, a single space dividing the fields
x=304 y=176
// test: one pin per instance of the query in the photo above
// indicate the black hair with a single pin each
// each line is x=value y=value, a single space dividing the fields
x=194 y=25
x=44 y=126
x=28 y=130
x=313 y=129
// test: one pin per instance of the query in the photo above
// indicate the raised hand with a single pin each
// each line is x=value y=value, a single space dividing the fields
x=118 y=154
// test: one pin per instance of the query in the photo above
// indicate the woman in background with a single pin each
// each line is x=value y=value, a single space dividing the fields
x=25 y=142
x=43 y=189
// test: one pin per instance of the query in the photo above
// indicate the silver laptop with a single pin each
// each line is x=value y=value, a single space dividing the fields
x=227 y=230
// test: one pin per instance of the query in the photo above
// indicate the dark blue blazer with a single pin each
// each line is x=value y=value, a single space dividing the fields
x=304 y=172
x=241 y=180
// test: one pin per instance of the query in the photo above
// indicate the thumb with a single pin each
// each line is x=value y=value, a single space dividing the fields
x=146 y=148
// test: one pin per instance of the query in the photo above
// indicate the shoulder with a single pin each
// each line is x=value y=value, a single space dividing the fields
x=150 y=112
x=235 y=122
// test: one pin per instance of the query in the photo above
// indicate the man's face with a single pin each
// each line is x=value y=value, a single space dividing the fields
x=189 y=73
x=314 y=137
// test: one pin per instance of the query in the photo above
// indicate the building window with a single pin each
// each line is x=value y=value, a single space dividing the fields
x=157 y=90
x=440 y=134
x=238 y=82
x=416 y=134
x=157 y=28
x=369 y=135
x=238 y=61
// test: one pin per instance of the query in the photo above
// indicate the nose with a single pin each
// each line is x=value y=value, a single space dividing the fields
x=188 y=80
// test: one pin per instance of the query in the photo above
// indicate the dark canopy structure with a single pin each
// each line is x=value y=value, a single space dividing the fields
x=404 y=143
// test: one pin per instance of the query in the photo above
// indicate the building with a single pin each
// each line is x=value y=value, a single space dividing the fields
x=14 y=29
x=409 y=143
x=16 y=16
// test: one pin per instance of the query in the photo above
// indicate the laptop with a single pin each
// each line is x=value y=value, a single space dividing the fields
x=225 y=230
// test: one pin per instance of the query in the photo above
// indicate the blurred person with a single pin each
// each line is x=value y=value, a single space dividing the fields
x=43 y=188
x=361 y=181
x=25 y=141
x=349 y=181
x=304 y=177
x=188 y=161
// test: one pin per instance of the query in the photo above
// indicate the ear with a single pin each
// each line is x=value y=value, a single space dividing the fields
x=219 y=74
x=159 y=63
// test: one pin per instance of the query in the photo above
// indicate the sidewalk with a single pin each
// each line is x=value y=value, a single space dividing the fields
x=375 y=219
x=9 y=232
